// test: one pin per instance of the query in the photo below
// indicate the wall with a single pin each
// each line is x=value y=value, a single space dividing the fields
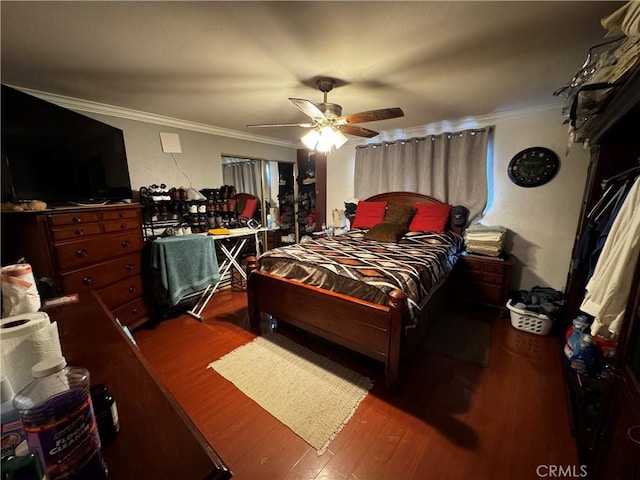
x=542 y=221
x=199 y=160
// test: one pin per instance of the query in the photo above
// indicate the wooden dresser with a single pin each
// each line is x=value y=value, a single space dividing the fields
x=484 y=280
x=157 y=439
x=84 y=248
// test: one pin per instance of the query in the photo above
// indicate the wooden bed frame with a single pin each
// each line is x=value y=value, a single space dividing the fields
x=368 y=328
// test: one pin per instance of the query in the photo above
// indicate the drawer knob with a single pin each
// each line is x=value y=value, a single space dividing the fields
x=129 y=267
x=76 y=219
x=87 y=280
x=125 y=243
x=123 y=225
x=121 y=214
x=135 y=311
x=81 y=253
x=79 y=232
x=132 y=289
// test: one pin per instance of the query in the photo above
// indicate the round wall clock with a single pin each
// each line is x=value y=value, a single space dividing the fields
x=533 y=167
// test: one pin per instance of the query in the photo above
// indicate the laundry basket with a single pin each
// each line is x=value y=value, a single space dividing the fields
x=527 y=321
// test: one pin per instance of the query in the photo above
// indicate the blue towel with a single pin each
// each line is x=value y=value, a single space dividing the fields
x=182 y=265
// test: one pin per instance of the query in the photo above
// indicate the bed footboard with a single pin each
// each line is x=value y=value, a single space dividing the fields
x=368 y=328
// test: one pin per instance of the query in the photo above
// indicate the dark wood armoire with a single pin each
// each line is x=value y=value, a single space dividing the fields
x=605 y=413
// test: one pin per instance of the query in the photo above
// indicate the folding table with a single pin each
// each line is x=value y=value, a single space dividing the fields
x=236 y=239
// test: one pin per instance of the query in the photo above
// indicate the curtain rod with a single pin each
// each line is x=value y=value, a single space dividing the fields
x=432 y=136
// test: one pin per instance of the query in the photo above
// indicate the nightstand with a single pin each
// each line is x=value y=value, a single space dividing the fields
x=484 y=280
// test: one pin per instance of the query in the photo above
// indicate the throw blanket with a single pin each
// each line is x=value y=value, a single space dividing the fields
x=368 y=269
x=182 y=265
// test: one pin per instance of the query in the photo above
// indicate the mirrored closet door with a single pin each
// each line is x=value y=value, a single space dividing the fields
x=273 y=183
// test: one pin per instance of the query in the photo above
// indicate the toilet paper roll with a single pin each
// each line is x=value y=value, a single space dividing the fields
x=24 y=341
x=19 y=290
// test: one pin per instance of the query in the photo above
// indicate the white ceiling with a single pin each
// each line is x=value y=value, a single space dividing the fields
x=229 y=64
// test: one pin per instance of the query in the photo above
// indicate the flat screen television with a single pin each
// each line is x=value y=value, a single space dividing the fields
x=58 y=156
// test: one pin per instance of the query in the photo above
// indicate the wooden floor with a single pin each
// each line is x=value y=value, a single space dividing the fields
x=451 y=420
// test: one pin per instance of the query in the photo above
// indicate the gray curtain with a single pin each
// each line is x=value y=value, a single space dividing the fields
x=244 y=174
x=451 y=167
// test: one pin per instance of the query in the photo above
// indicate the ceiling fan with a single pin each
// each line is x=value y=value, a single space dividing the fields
x=327 y=122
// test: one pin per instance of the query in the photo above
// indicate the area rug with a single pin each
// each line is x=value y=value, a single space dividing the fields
x=460 y=337
x=309 y=393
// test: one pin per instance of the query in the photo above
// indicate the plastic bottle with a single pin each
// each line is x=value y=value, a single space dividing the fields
x=582 y=322
x=574 y=335
x=584 y=355
x=58 y=419
x=12 y=431
x=24 y=467
x=106 y=411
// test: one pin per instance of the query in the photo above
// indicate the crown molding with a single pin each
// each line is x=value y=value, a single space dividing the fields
x=464 y=123
x=435 y=128
x=88 y=106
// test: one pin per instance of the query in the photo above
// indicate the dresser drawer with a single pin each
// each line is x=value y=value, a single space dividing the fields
x=131 y=312
x=120 y=225
x=119 y=214
x=121 y=292
x=487 y=265
x=73 y=218
x=483 y=293
x=482 y=277
x=102 y=274
x=493 y=267
x=78 y=231
x=469 y=265
x=91 y=250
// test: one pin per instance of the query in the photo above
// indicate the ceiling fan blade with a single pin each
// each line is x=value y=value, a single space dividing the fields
x=302 y=125
x=309 y=109
x=373 y=115
x=357 y=131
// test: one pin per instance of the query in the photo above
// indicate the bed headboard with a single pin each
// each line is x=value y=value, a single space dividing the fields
x=409 y=199
x=403 y=199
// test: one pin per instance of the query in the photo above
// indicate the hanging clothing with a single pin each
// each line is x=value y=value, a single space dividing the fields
x=606 y=222
x=600 y=219
x=608 y=289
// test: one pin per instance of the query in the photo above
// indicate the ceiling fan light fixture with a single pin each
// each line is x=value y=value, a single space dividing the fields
x=325 y=142
x=339 y=138
x=324 y=138
x=329 y=125
x=311 y=139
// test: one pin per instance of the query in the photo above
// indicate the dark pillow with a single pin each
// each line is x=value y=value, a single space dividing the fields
x=459 y=215
x=400 y=215
x=385 y=232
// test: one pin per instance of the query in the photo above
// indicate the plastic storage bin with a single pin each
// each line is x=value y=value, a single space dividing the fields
x=527 y=321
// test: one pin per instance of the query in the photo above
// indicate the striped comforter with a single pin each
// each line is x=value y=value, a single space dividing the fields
x=368 y=269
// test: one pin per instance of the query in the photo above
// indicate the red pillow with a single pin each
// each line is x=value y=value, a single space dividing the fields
x=369 y=214
x=430 y=218
x=249 y=208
